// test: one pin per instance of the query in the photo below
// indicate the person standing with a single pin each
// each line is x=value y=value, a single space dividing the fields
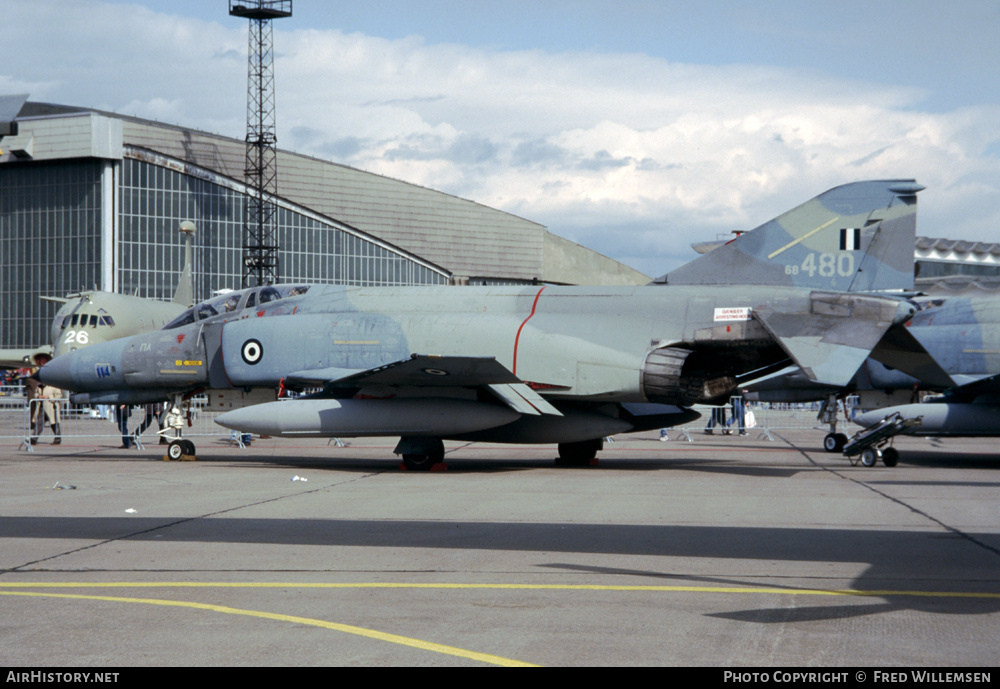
x=122 y=414
x=32 y=392
x=718 y=418
x=51 y=401
x=739 y=412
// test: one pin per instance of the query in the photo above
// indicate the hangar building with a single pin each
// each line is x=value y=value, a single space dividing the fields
x=92 y=199
x=953 y=266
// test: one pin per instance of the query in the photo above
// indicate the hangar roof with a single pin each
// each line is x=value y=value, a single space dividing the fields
x=464 y=237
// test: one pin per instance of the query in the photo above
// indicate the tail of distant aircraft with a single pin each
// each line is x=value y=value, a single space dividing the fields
x=185 y=285
x=857 y=237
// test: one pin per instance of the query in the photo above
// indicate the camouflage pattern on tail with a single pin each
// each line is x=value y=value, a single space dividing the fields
x=857 y=237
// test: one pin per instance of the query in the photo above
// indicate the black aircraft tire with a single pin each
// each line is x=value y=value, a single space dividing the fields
x=188 y=447
x=831 y=443
x=176 y=449
x=869 y=456
x=890 y=456
x=419 y=462
x=579 y=453
x=420 y=454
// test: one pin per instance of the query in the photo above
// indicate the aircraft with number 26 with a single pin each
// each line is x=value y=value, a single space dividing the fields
x=93 y=317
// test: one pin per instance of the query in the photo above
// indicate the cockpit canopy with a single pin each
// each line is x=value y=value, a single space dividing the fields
x=84 y=320
x=232 y=302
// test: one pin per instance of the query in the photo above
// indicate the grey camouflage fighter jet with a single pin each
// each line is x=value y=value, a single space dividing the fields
x=962 y=335
x=540 y=363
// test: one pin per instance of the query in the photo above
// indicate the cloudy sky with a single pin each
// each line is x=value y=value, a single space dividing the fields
x=633 y=127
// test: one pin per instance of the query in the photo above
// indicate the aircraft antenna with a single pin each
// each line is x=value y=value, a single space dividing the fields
x=260 y=252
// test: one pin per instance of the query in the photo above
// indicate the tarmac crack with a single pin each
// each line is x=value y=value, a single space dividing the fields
x=186 y=520
x=901 y=503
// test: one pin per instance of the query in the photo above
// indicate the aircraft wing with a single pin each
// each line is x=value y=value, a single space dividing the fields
x=422 y=370
x=17 y=358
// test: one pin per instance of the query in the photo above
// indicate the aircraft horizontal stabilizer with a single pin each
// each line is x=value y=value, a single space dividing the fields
x=900 y=350
x=832 y=340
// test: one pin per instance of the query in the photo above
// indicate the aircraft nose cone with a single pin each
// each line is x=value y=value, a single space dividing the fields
x=58 y=372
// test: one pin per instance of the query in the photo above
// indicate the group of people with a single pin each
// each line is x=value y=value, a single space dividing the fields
x=44 y=410
x=742 y=418
x=718 y=418
x=122 y=414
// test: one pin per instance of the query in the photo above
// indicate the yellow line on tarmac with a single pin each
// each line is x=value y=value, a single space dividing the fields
x=346 y=628
x=417 y=643
x=513 y=587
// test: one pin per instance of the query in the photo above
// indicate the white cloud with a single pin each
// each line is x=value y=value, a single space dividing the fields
x=629 y=154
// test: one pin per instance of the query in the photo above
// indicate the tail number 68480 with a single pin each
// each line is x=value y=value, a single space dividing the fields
x=826 y=264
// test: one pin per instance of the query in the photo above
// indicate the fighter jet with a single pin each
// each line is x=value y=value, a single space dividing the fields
x=962 y=336
x=92 y=317
x=963 y=333
x=538 y=363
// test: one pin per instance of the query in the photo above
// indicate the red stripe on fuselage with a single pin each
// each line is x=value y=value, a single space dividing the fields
x=517 y=338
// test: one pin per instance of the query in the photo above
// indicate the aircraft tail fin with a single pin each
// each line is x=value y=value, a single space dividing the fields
x=857 y=237
x=184 y=295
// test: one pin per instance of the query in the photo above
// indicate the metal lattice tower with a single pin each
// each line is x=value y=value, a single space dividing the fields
x=260 y=252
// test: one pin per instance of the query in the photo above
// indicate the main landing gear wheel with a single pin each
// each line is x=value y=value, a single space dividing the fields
x=421 y=462
x=869 y=456
x=834 y=442
x=423 y=453
x=580 y=453
x=890 y=456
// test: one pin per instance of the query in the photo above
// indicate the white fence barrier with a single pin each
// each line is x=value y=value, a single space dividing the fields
x=57 y=421
x=761 y=419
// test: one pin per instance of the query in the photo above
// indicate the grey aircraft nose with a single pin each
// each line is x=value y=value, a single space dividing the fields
x=58 y=372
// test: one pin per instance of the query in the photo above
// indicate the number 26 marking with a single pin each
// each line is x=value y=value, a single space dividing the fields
x=76 y=336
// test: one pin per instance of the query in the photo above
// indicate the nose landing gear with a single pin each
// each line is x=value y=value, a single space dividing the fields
x=175 y=420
